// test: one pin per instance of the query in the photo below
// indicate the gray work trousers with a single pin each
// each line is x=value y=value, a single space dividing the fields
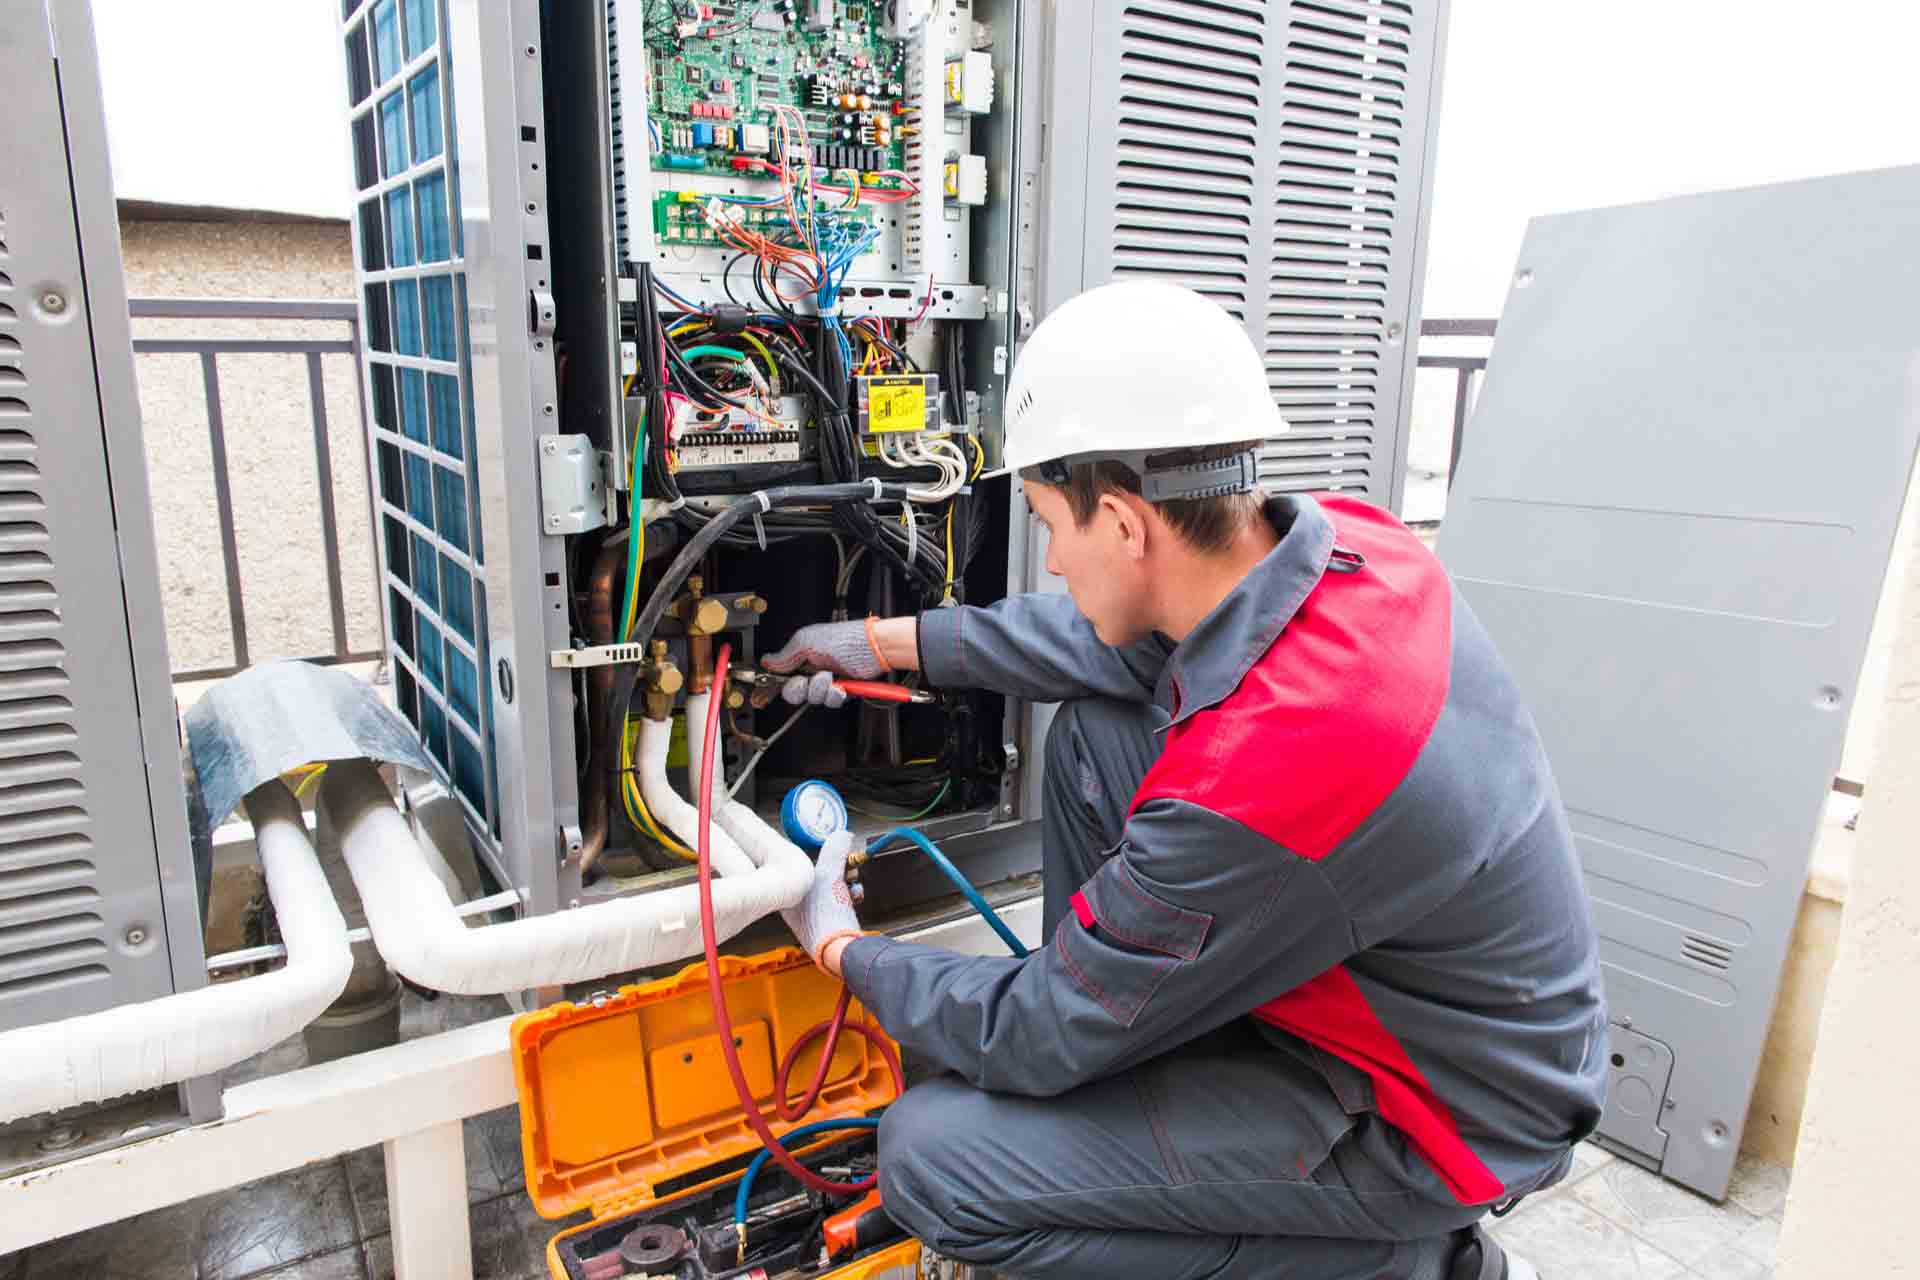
x=1228 y=1157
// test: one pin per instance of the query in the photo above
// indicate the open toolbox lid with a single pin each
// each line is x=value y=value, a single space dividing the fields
x=625 y=1092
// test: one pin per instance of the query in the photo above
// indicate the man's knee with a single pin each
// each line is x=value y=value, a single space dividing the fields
x=1091 y=739
x=929 y=1169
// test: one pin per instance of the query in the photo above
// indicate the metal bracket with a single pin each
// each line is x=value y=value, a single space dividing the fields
x=571 y=489
x=1012 y=752
x=542 y=314
x=599 y=655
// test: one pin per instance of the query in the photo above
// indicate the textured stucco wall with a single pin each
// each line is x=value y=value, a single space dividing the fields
x=266 y=410
x=1851 y=1210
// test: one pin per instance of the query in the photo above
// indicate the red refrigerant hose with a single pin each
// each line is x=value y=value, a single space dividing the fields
x=723 y=1021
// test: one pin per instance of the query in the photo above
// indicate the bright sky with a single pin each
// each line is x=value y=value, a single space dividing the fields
x=1548 y=105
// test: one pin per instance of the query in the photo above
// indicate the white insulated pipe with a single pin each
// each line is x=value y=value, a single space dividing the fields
x=103 y=1055
x=421 y=936
x=733 y=818
x=666 y=804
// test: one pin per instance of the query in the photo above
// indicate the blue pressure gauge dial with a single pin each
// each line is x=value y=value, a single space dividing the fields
x=811 y=812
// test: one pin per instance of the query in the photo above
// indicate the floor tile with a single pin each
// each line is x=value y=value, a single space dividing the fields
x=277 y=1221
x=495 y=1168
x=1677 y=1221
x=1566 y=1240
x=343 y=1264
x=1589 y=1157
x=1759 y=1186
x=1731 y=1264
x=1761 y=1240
x=162 y=1245
x=509 y=1242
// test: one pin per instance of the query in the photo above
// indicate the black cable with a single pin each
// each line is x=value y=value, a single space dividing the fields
x=627 y=677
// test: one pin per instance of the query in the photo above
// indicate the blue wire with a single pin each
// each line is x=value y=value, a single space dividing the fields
x=787 y=1140
x=960 y=882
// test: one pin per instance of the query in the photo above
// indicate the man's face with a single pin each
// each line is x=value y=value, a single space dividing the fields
x=1106 y=575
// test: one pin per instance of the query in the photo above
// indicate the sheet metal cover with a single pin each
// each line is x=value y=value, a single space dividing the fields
x=1673 y=514
x=253 y=727
x=624 y=1091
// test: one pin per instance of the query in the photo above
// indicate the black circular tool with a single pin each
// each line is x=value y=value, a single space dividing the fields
x=649 y=1246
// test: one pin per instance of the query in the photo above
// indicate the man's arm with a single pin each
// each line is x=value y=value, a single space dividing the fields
x=1195 y=921
x=1035 y=646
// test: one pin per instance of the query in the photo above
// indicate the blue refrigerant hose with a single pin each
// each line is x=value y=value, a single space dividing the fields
x=786 y=1140
x=960 y=882
x=987 y=913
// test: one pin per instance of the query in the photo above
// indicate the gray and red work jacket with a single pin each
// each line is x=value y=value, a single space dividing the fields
x=1352 y=835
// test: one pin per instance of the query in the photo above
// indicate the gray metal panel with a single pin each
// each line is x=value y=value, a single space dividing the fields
x=1688 y=462
x=486 y=140
x=1274 y=155
x=97 y=907
x=515 y=397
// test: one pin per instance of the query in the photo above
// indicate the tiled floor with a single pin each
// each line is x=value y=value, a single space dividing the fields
x=1612 y=1220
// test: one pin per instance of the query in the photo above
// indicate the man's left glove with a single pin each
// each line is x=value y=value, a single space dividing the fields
x=826 y=912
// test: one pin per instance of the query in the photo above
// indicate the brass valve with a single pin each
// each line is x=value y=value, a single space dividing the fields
x=664 y=680
x=703 y=616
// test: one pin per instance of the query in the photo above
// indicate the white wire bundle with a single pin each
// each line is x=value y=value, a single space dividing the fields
x=918 y=452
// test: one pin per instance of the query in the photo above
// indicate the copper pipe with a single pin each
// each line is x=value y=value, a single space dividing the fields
x=595 y=816
x=699 y=664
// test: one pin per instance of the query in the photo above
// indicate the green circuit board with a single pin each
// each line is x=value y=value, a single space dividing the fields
x=716 y=69
x=679 y=221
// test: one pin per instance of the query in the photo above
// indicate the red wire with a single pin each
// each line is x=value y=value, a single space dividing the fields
x=716 y=991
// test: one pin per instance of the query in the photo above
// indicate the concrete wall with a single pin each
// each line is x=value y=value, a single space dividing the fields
x=266 y=409
x=1851 y=1209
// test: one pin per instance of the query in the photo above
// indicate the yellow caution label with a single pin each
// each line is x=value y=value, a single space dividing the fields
x=896 y=405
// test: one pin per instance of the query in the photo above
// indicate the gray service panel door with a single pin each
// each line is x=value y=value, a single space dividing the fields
x=1676 y=502
x=1275 y=155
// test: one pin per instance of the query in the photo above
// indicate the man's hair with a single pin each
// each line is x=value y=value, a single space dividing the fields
x=1205 y=524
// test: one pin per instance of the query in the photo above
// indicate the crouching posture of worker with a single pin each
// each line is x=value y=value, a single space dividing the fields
x=1321 y=984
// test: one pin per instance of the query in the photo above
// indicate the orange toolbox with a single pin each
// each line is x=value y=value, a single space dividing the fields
x=627 y=1110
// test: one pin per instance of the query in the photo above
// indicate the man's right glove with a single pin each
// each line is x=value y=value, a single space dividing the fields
x=844 y=648
x=830 y=649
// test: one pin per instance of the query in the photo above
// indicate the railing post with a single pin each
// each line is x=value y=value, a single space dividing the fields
x=223 y=501
x=329 y=527
x=1463 y=381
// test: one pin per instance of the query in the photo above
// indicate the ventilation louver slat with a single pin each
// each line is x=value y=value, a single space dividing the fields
x=52 y=937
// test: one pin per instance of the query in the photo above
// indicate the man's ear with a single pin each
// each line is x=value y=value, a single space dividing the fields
x=1133 y=521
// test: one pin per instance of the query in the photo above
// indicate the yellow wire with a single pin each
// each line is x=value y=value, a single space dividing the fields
x=979 y=458
x=949 y=594
x=636 y=804
x=773 y=373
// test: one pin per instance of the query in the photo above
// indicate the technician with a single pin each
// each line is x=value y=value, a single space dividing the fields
x=1322 y=984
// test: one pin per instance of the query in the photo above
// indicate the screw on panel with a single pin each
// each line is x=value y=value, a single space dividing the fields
x=53 y=301
x=136 y=936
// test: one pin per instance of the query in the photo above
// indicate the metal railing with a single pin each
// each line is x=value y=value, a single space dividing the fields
x=1464 y=367
x=210 y=350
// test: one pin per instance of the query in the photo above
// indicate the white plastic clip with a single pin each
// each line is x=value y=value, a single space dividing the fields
x=766 y=503
x=760 y=530
x=875 y=482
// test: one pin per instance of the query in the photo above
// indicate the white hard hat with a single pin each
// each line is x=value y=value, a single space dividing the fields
x=1134 y=368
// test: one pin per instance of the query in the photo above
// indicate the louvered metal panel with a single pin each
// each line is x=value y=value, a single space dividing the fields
x=1274 y=155
x=97 y=888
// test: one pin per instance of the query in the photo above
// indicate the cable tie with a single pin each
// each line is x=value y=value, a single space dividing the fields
x=766 y=503
x=760 y=530
x=677 y=503
x=875 y=482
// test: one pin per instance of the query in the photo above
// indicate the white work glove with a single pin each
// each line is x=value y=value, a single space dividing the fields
x=826 y=913
x=843 y=648
x=816 y=690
